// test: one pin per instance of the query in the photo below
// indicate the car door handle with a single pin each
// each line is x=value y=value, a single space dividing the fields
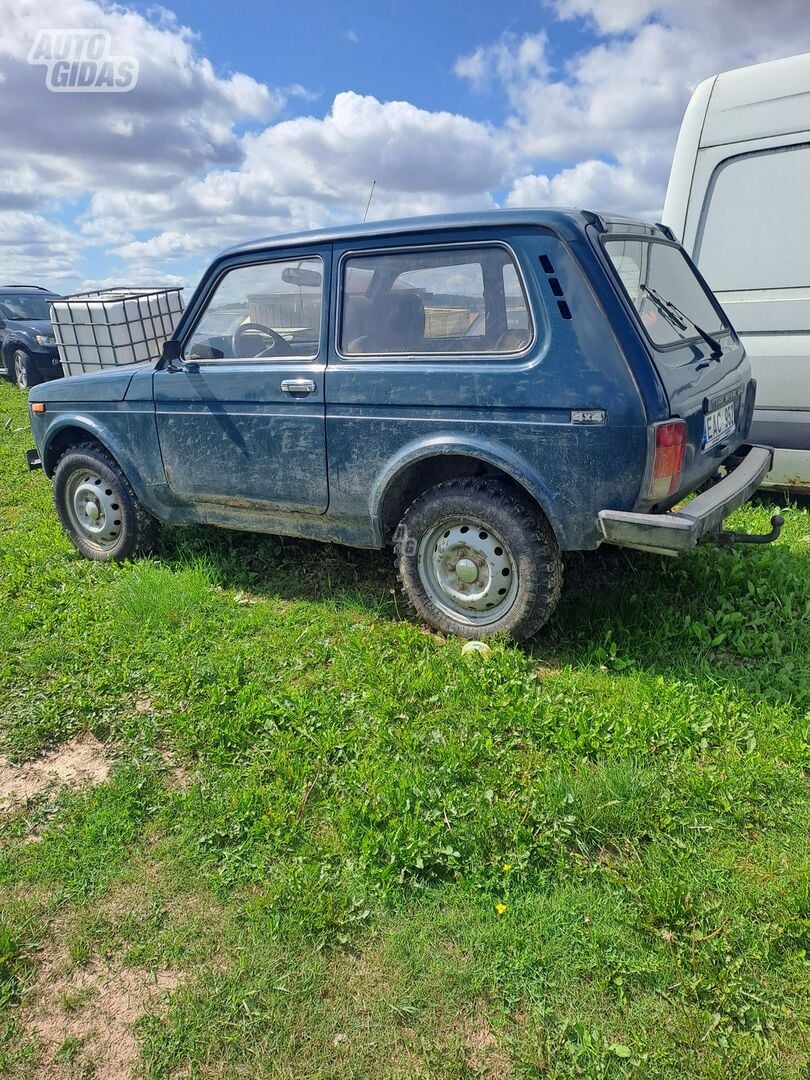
x=298 y=386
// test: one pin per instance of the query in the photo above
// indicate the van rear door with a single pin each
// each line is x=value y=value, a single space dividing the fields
x=699 y=358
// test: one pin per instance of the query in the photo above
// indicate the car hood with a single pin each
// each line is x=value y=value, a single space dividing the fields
x=109 y=385
x=35 y=326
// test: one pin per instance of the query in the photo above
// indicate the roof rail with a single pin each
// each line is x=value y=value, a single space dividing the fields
x=22 y=285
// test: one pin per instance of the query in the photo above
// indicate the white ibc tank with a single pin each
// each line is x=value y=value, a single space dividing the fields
x=112 y=327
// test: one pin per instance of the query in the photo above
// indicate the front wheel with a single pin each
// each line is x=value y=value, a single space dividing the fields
x=98 y=509
x=24 y=370
x=476 y=558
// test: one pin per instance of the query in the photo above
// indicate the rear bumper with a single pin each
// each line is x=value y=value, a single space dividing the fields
x=680 y=530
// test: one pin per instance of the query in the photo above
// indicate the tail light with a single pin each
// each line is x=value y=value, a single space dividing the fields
x=670 y=444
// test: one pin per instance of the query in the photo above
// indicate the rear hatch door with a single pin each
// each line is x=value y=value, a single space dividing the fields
x=699 y=358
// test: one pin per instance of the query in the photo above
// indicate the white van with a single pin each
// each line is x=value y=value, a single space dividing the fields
x=739 y=200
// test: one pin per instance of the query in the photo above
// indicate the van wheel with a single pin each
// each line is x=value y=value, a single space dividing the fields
x=475 y=558
x=98 y=509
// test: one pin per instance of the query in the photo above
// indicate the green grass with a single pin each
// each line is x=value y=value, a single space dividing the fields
x=589 y=857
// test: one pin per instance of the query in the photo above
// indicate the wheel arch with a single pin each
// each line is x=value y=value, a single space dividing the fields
x=424 y=465
x=73 y=431
x=63 y=440
x=10 y=346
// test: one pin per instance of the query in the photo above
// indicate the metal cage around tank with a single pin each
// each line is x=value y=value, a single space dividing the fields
x=113 y=327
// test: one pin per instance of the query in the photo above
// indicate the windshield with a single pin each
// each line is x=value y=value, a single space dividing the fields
x=671 y=301
x=25 y=306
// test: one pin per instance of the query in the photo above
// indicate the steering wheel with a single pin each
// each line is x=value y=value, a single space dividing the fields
x=274 y=345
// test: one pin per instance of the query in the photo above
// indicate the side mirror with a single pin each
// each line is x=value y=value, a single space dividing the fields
x=2 y=323
x=170 y=357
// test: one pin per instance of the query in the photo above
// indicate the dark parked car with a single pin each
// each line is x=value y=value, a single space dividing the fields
x=27 y=345
x=483 y=391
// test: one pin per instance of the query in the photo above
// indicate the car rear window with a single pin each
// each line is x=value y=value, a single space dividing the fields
x=670 y=299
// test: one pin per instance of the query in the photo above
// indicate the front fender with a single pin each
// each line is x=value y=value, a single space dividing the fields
x=489 y=451
x=143 y=475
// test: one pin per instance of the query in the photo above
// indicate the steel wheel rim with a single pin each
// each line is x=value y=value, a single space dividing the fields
x=19 y=371
x=94 y=508
x=468 y=571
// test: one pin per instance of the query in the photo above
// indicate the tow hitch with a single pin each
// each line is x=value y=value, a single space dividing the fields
x=726 y=539
x=699 y=521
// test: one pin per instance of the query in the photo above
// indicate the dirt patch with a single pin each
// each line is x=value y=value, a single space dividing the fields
x=82 y=762
x=179 y=778
x=84 y=1018
x=482 y=1051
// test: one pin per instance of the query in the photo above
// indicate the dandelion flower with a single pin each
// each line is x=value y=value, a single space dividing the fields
x=500 y=908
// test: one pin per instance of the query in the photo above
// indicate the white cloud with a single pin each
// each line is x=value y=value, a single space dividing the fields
x=193 y=160
x=610 y=116
x=33 y=248
x=591 y=184
x=734 y=28
x=404 y=148
x=306 y=172
x=609 y=16
x=142 y=277
x=168 y=177
x=179 y=117
x=510 y=59
x=178 y=122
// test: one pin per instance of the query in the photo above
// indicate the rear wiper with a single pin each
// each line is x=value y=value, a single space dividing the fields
x=661 y=304
x=667 y=308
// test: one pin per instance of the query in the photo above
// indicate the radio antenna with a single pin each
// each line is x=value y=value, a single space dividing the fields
x=370 y=197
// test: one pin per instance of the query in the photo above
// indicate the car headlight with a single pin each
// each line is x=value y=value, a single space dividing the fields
x=45 y=339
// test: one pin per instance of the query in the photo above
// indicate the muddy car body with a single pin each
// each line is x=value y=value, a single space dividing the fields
x=484 y=391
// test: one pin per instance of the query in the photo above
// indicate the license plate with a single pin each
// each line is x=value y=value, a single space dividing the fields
x=718 y=424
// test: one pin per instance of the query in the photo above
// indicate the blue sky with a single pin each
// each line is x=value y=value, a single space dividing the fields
x=393 y=49
x=248 y=119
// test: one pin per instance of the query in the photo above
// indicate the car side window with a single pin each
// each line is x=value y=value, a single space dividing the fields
x=433 y=302
x=262 y=311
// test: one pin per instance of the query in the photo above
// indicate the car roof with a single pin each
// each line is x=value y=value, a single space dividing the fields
x=29 y=290
x=565 y=220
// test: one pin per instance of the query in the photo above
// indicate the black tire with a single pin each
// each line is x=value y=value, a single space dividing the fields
x=87 y=476
x=23 y=370
x=525 y=552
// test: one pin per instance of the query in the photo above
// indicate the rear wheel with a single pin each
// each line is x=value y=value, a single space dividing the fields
x=98 y=509
x=24 y=370
x=476 y=558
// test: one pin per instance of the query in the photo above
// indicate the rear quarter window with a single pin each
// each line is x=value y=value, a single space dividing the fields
x=433 y=301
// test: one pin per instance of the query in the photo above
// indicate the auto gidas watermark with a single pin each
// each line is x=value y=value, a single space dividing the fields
x=82 y=62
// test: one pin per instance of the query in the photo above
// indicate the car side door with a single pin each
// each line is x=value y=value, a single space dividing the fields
x=241 y=420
